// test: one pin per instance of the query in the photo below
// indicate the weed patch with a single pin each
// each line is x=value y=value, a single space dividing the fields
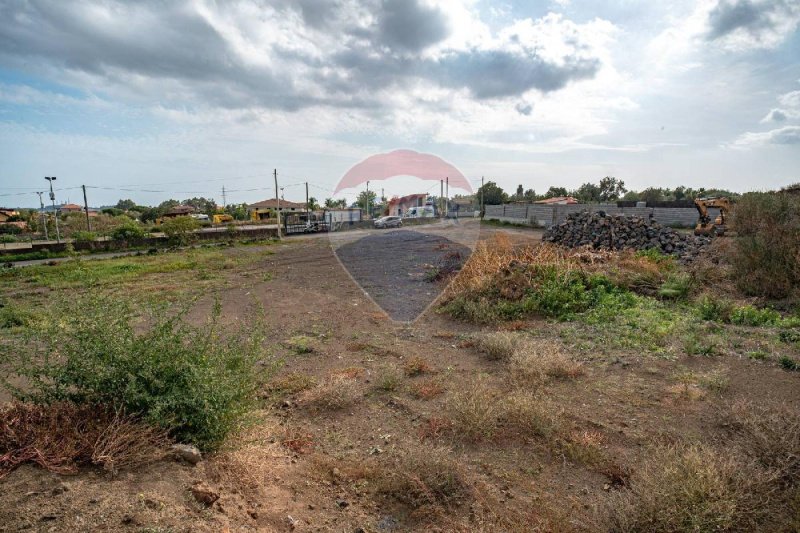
x=335 y=393
x=189 y=380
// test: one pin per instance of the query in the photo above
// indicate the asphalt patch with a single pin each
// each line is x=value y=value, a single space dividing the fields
x=395 y=267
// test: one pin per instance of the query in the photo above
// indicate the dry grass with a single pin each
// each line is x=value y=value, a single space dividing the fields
x=479 y=411
x=428 y=477
x=530 y=361
x=334 y=393
x=690 y=488
x=289 y=384
x=768 y=434
x=428 y=389
x=416 y=366
x=62 y=437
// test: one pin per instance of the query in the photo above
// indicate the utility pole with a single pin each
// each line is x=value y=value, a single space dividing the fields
x=42 y=216
x=51 y=179
x=446 y=195
x=224 y=201
x=441 y=196
x=366 y=200
x=86 y=208
x=277 y=199
x=481 y=197
x=307 y=207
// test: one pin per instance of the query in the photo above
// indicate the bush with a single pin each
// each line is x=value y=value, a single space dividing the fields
x=179 y=229
x=766 y=261
x=84 y=236
x=711 y=308
x=677 y=286
x=129 y=231
x=188 y=380
x=7 y=238
x=13 y=316
x=789 y=364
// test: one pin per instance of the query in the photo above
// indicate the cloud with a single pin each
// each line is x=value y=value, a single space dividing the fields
x=290 y=55
x=524 y=109
x=741 y=24
x=775 y=115
x=788 y=135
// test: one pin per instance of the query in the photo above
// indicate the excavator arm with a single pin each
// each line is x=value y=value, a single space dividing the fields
x=705 y=226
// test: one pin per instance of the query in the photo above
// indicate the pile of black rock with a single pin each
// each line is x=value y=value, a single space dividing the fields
x=618 y=232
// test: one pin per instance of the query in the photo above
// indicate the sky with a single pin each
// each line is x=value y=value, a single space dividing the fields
x=158 y=99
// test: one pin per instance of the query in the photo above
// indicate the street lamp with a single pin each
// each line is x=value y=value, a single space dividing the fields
x=51 y=179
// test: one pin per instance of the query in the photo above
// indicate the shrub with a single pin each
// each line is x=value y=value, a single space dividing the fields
x=789 y=336
x=5 y=238
x=84 y=236
x=500 y=345
x=766 y=261
x=300 y=344
x=538 y=360
x=189 y=380
x=129 y=231
x=179 y=229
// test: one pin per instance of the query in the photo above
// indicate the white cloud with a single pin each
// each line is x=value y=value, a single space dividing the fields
x=781 y=136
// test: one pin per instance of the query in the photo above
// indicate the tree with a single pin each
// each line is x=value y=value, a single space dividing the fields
x=331 y=203
x=237 y=211
x=587 y=193
x=520 y=192
x=492 y=194
x=202 y=205
x=179 y=229
x=125 y=205
x=363 y=197
x=313 y=205
x=530 y=196
x=555 y=192
x=610 y=189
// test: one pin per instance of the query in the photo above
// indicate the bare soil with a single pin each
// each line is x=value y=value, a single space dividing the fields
x=300 y=469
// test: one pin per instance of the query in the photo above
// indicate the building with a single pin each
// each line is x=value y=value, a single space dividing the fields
x=6 y=214
x=558 y=200
x=179 y=211
x=400 y=205
x=266 y=208
x=70 y=208
x=346 y=214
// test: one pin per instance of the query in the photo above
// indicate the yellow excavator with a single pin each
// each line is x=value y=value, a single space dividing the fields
x=706 y=226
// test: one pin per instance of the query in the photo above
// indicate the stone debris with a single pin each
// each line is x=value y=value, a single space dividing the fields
x=187 y=452
x=618 y=232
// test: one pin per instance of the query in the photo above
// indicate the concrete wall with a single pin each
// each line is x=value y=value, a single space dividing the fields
x=548 y=215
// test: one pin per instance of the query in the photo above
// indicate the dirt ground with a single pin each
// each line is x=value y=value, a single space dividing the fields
x=304 y=469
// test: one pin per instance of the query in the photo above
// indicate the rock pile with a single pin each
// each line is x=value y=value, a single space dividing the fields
x=619 y=232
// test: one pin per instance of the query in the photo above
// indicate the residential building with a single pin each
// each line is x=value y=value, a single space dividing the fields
x=267 y=208
x=400 y=205
x=70 y=208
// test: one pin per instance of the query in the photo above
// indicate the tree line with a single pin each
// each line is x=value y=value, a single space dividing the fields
x=607 y=190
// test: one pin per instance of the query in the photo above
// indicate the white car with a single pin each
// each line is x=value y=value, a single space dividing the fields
x=389 y=222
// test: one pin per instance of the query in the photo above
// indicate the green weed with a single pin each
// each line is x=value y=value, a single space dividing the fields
x=789 y=364
x=192 y=381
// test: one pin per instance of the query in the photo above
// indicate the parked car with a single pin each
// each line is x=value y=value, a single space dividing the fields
x=389 y=222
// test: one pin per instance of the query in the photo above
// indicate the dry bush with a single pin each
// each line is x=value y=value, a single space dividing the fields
x=336 y=392
x=474 y=410
x=500 y=345
x=424 y=477
x=61 y=437
x=289 y=384
x=539 y=360
x=768 y=434
x=690 y=488
x=524 y=414
x=416 y=366
x=478 y=411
